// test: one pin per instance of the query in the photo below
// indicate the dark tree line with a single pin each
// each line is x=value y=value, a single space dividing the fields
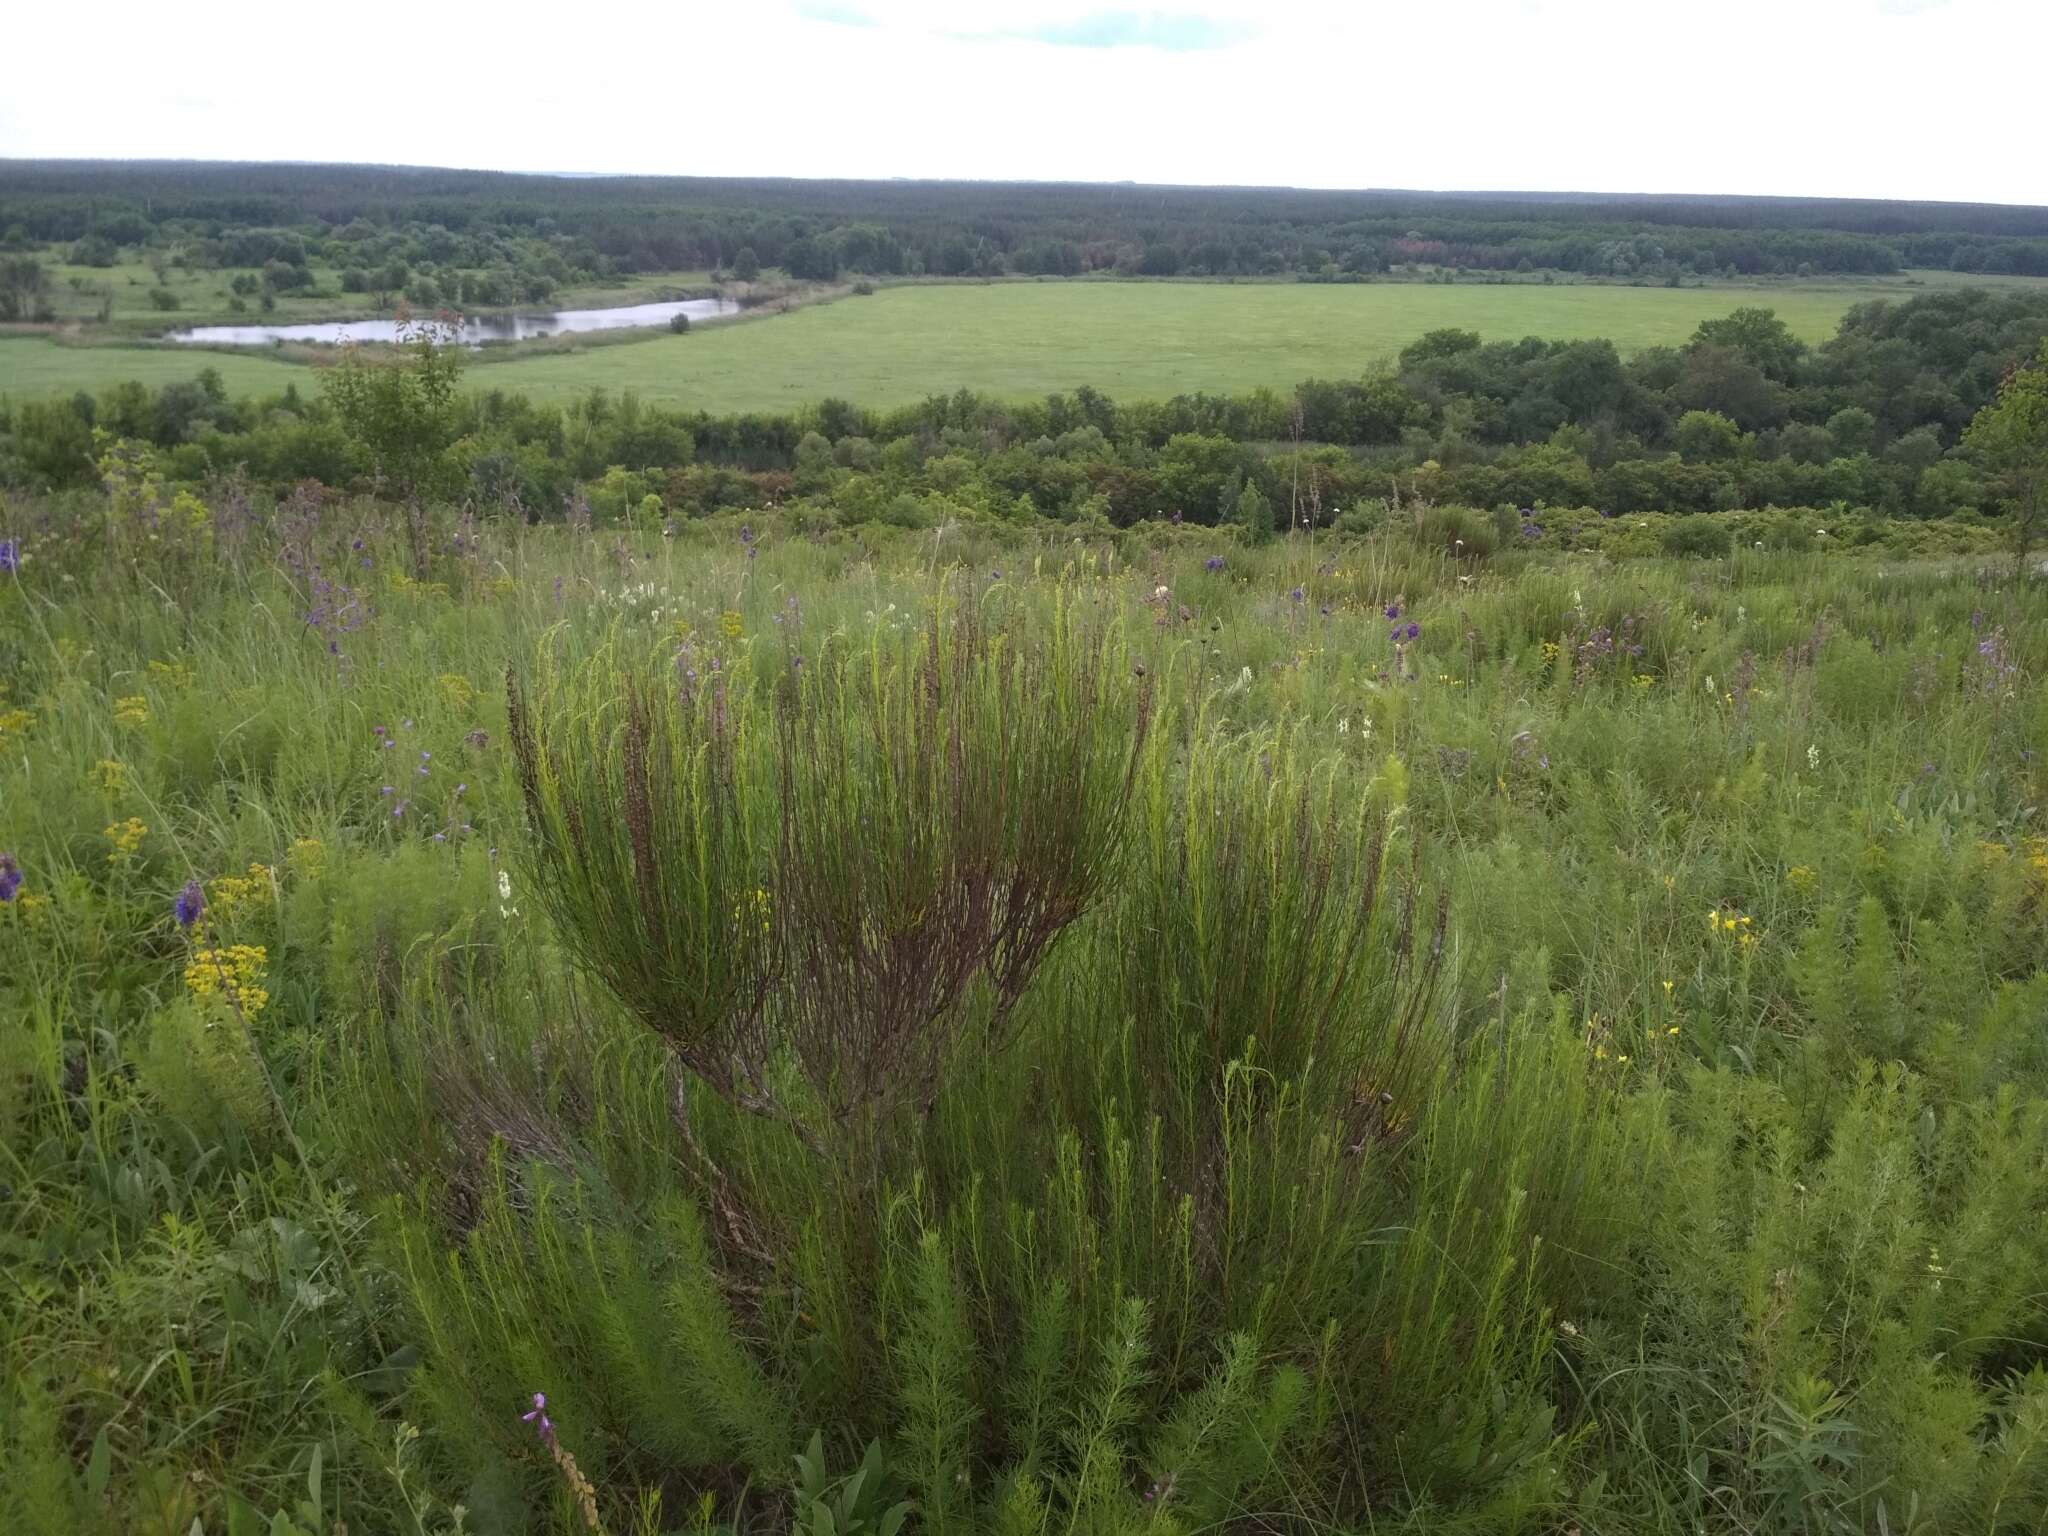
x=360 y=217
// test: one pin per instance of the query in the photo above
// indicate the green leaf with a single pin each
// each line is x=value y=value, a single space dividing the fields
x=849 y=1497
x=313 y=1478
x=100 y=1467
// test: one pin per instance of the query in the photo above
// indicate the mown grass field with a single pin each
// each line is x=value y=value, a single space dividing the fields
x=33 y=367
x=1130 y=340
x=1552 y=1042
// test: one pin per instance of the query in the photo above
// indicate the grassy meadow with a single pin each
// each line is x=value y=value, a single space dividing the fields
x=973 y=1031
x=202 y=296
x=1017 y=340
x=1133 y=340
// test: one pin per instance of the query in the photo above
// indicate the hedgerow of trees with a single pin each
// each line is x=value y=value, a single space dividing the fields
x=1744 y=415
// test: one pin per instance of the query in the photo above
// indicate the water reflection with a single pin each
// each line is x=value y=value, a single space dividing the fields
x=474 y=330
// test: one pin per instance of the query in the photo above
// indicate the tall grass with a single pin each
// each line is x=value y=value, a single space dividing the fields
x=1095 y=1058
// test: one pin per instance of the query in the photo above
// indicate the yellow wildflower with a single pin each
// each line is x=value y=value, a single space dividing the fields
x=754 y=907
x=15 y=722
x=110 y=776
x=172 y=674
x=234 y=974
x=731 y=625
x=307 y=857
x=132 y=710
x=456 y=689
x=1802 y=879
x=126 y=836
x=232 y=894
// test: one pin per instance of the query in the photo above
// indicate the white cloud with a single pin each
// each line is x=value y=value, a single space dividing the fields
x=1888 y=98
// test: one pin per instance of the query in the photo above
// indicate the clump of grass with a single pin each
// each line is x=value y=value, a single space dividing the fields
x=816 y=871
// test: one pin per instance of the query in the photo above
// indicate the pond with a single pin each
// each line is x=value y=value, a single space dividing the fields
x=474 y=331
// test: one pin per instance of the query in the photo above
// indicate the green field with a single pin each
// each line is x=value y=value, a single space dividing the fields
x=1131 y=340
x=32 y=367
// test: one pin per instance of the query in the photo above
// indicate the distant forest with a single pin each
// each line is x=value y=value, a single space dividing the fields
x=361 y=217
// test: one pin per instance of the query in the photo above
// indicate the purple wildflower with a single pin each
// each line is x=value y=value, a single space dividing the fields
x=538 y=1418
x=10 y=557
x=1393 y=610
x=191 y=903
x=1298 y=595
x=1213 y=563
x=1414 y=630
x=10 y=877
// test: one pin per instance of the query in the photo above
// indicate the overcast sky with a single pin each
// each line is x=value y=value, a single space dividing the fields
x=1864 y=98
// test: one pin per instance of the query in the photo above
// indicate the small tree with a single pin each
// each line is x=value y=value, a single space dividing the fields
x=23 y=282
x=1254 y=513
x=2010 y=436
x=403 y=412
x=679 y=322
x=746 y=266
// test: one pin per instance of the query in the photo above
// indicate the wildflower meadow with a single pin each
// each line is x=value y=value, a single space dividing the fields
x=874 y=1030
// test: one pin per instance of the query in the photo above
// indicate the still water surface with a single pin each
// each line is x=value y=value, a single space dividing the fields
x=474 y=330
